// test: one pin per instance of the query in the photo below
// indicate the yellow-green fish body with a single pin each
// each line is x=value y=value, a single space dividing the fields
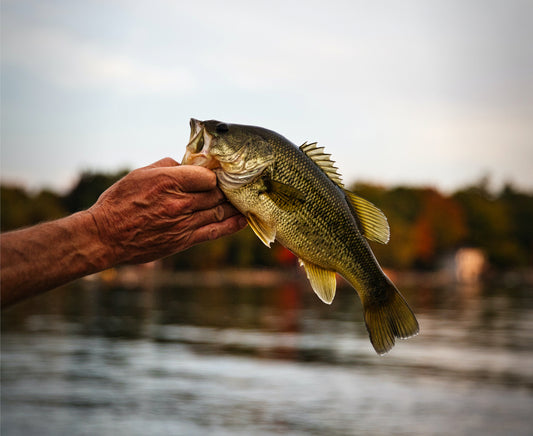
x=295 y=196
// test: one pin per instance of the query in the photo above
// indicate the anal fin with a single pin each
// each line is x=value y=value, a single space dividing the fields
x=322 y=281
x=261 y=229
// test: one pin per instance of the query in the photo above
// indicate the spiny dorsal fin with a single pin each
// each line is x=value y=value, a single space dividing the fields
x=322 y=281
x=263 y=232
x=374 y=222
x=323 y=161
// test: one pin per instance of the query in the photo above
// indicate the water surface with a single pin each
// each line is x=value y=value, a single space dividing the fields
x=89 y=359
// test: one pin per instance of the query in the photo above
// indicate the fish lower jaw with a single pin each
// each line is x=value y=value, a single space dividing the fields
x=200 y=159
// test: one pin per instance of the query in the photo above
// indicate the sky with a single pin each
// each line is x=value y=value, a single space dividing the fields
x=436 y=93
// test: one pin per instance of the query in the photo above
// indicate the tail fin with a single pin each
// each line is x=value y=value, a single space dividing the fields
x=387 y=317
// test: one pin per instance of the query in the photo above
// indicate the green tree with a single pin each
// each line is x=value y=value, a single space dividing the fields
x=519 y=208
x=88 y=188
x=424 y=225
x=20 y=208
x=489 y=225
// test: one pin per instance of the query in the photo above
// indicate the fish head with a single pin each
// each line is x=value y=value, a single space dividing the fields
x=238 y=154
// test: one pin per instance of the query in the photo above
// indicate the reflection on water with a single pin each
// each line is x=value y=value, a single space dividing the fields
x=86 y=360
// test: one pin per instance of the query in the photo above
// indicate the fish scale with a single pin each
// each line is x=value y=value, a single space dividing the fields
x=295 y=196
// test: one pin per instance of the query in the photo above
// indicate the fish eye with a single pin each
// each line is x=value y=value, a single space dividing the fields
x=221 y=128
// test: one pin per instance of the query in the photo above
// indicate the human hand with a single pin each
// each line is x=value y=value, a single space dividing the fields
x=161 y=209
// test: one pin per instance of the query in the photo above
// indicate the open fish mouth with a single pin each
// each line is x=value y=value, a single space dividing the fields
x=233 y=170
x=198 y=148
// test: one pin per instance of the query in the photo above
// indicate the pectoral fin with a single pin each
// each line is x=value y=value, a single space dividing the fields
x=322 y=281
x=285 y=196
x=261 y=229
x=375 y=226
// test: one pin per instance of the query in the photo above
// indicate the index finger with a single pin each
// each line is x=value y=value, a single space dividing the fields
x=192 y=178
x=165 y=162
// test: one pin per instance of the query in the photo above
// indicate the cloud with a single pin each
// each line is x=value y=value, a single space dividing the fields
x=70 y=62
x=432 y=92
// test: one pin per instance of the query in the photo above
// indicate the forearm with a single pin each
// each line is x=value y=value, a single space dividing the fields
x=43 y=257
x=151 y=213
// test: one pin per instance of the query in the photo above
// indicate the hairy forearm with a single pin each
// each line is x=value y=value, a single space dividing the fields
x=43 y=257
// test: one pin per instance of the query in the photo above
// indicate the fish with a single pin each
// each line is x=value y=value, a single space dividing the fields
x=295 y=196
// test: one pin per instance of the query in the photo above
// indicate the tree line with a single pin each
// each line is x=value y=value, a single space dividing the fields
x=426 y=224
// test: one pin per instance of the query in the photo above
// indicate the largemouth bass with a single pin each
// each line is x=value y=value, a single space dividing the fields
x=295 y=195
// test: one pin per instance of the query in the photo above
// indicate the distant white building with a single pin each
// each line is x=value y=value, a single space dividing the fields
x=469 y=265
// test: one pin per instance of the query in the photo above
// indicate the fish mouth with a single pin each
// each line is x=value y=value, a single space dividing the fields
x=199 y=147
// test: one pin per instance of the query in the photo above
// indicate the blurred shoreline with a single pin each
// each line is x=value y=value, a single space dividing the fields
x=152 y=274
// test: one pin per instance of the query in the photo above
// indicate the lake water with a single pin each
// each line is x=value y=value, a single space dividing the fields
x=89 y=359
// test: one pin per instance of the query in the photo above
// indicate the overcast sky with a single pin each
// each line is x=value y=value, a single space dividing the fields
x=414 y=92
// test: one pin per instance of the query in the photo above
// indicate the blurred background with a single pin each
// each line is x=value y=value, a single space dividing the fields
x=427 y=108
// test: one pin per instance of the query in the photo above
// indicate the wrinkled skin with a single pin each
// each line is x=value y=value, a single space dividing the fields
x=161 y=209
x=151 y=213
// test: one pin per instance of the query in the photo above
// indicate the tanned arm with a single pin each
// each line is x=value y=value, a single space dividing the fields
x=49 y=255
x=151 y=213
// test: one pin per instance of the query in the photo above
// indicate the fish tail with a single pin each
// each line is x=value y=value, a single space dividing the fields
x=387 y=316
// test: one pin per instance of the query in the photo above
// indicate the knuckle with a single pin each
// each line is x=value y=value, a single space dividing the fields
x=219 y=213
x=213 y=233
x=185 y=205
x=168 y=161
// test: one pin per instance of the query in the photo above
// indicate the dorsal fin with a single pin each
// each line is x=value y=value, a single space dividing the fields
x=323 y=161
x=373 y=220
